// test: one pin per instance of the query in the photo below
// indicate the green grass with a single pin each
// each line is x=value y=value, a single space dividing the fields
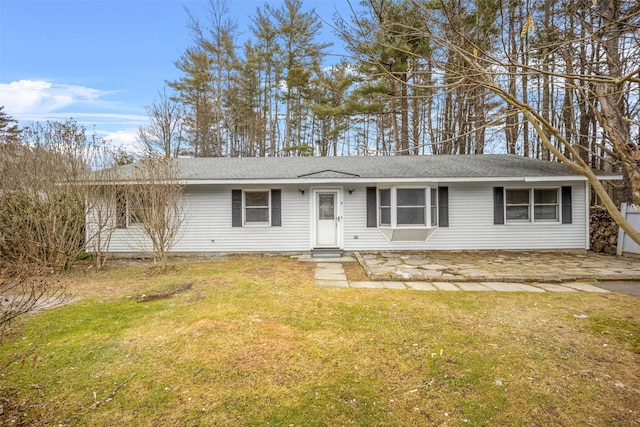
x=254 y=343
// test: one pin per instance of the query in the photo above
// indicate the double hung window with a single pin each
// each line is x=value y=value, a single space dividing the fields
x=532 y=205
x=256 y=207
x=130 y=209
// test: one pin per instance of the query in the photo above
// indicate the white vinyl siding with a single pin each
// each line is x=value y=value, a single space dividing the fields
x=208 y=227
x=471 y=225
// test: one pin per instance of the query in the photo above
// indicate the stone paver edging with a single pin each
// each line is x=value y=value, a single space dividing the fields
x=331 y=275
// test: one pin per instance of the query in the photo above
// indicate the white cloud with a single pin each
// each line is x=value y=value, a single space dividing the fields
x=123 y=138
x=40 y=100
x=126 y=140
x=24 y=99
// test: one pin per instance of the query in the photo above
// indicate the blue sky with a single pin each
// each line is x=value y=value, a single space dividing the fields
x=100 y=62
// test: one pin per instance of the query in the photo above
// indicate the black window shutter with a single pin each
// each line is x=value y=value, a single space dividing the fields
x=498 y=205
x=443 y=206
x=276 y=211
x=371 y=207
x=566 y=205
x=236 y=208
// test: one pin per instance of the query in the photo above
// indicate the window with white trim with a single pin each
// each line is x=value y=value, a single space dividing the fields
x=256 y=207
x=130 y=209
x=519 y=203
x=407 y=207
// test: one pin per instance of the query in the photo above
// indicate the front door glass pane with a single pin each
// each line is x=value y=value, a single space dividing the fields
x=326 y=206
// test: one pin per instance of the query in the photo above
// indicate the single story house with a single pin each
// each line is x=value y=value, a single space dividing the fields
x=374 y=203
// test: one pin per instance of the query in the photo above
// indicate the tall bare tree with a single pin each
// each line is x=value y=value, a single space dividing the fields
x=102 y=204
x=157 y=206
x=165 y=133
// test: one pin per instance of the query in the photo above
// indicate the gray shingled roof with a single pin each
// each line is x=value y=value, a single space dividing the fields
x=365 y=167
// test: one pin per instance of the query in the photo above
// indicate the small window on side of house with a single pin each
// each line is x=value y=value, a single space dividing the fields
x=256 y=207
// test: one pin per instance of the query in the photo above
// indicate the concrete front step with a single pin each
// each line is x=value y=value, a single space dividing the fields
x=326 y=253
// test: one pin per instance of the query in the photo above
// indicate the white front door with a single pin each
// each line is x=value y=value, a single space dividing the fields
x=327 y=219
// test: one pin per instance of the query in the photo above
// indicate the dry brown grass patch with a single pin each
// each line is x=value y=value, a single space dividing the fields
x=255 y=343
x=355 y=272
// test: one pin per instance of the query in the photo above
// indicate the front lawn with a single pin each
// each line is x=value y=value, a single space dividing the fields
x=254 y=343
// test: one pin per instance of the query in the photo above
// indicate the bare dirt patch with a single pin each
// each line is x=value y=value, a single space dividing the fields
x=260 y=271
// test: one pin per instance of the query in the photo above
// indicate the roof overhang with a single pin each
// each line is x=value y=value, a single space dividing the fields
x=573 y=178
x=364 y=181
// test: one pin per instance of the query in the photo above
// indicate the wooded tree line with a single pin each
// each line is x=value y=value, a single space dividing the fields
x=409 y=85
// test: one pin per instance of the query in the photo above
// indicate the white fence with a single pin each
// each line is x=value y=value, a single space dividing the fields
x=625 y=244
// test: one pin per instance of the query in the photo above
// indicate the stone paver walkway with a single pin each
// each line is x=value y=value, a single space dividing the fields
x=484 y=271
x=332 y=275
